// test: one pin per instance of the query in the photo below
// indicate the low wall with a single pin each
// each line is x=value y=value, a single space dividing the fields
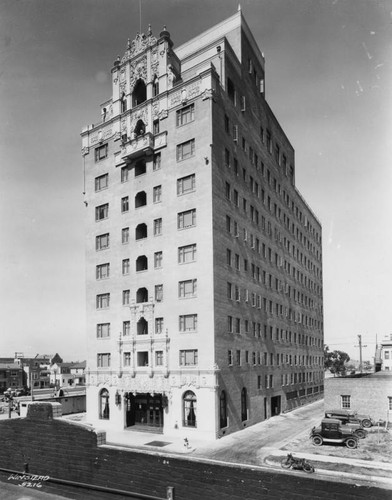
x=52 y=447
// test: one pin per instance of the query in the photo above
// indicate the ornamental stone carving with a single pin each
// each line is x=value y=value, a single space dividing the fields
x=139 y=115
x=154 y=63
x=138 y=45
x=138 y=71
x=155 y=110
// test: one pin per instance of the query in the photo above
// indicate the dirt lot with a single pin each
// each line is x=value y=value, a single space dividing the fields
x=376 y=446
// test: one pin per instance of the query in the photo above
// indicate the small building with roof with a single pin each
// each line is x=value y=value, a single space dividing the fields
x=364 y=392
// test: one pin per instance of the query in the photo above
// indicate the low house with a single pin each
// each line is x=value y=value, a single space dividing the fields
x=11 y=376
x=67 y=374
x=365 y=393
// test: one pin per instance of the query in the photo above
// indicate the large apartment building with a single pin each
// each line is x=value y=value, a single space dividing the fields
x=204 y=262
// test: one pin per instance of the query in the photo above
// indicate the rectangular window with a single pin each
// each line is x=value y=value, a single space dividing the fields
x=102 y=271
x=230 y=324
x=228 y=257
x=238 y=325
x=227 y=158
x=155 y=127
x=102 y=212
x=228 y=191
x=238 y=357
x=103 y=330
x=125 y=173
x=125 y=235
x=158 y=260
x=103 y=360
x=125 y=266
x=101 y=182
x=127 y=359
x=231 y=92
x=157 y=227
x=228 y=224
x=103 y=301
x=125 y=204
x=126 y=328
x=158 y=358
x=230 y=357
x=156 y=161
x=187 y=253
x=185 y=115
x=159 y=293
x=126 y=295
x=188 y=323
x=157 y=194
x=186 y=184
x=101 y=152
x=188 y=357
x=187 y=288
x=345 y=402
x=158 y=325
x=185 y=150
x=186 y=219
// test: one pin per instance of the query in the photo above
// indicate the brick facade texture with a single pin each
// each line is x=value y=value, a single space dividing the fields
x=65 y=450
x=369 y=394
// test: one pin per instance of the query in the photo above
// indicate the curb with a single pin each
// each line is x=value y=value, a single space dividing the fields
x=349 y=475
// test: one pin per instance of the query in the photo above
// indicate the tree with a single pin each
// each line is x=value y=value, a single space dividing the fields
x=334 y=361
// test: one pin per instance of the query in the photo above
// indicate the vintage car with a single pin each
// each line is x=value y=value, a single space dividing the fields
x=351 y=416
x=331 y=431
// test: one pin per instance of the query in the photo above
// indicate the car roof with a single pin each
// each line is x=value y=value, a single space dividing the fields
x=330 y=421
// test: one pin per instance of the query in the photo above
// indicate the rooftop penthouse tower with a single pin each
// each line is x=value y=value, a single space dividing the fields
x=204 y=262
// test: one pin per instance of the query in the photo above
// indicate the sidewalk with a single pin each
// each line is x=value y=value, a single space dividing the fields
x=230 y=449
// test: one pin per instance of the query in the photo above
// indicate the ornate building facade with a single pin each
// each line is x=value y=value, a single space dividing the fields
x=204 y=262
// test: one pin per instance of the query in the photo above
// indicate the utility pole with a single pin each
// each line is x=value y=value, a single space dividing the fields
x=360 y=351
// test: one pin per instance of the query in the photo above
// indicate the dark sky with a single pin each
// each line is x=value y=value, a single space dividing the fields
x=328 y=80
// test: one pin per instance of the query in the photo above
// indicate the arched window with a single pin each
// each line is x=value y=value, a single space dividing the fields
x=140 y=128
x=141 y=263
x=104 y=411
x=155 y=86
x=139 y=93
x=140 y=199
x=142 y=295
x=142 y=327
x=123 y=103
x=223 y=410
x=189 y=402
x=244 y=405
x=141 y=231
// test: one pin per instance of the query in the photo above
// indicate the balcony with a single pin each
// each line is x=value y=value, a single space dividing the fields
x=142 y=145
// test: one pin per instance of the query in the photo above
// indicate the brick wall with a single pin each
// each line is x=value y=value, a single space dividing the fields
x=369 y=394
x=65 y=450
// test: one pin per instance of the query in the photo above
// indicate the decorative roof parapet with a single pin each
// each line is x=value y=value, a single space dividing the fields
x=138 y=45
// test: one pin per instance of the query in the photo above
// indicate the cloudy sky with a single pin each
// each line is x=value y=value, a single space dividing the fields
x=328 y=80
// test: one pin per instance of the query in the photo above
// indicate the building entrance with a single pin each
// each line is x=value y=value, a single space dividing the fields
x=144 y=410
x=275 y=405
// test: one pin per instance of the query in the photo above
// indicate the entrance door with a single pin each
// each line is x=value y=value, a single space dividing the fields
x=145 y=410
x=275 y=405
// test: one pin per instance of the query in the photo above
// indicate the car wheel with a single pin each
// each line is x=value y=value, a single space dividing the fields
x=366 y=423
x=361 y=433
x=351 y=443
x=317 y=440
